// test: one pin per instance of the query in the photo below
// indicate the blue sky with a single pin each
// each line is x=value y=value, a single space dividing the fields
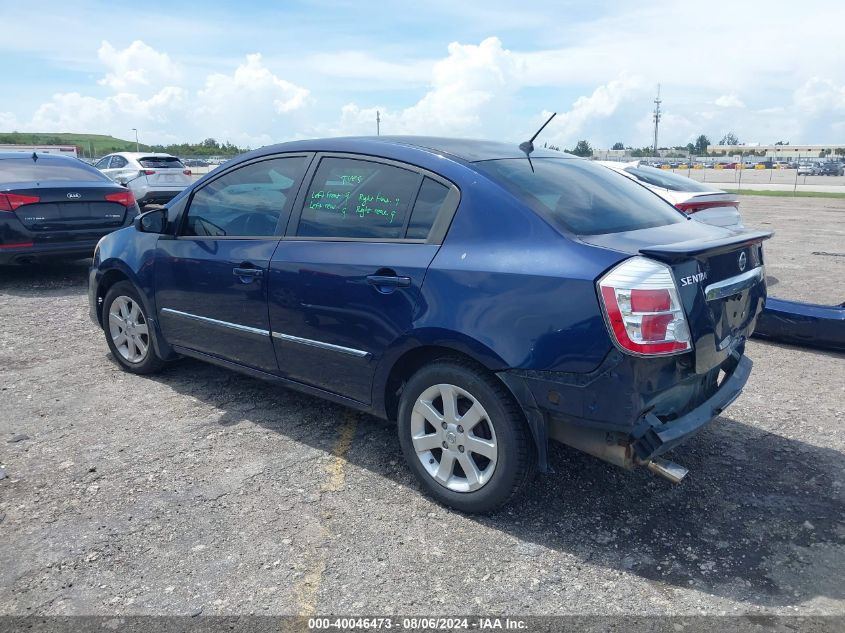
x=260 y=72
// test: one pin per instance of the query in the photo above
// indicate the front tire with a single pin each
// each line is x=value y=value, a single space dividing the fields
x=464 y=436
x=129 y=334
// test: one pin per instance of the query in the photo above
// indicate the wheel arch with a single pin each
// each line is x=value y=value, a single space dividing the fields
x=403 y=359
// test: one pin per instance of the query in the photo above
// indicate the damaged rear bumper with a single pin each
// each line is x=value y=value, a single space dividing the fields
x=802 y=324
x=628 y=442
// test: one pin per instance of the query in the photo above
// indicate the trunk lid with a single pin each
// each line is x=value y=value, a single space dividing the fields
x=719 y=274
x=71 y=206
x=167 y=171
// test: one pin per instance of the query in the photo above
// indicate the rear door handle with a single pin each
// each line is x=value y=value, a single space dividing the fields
x=247 y=275
x=389 y=280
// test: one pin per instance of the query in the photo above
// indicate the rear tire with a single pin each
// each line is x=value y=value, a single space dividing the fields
x=464 y=436
x=129 y=334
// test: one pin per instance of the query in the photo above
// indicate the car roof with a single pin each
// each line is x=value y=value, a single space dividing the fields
x=468 y=150
x=141 y=154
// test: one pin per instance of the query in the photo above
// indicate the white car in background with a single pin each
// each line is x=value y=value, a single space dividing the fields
x=153 y=177
x=698 y=200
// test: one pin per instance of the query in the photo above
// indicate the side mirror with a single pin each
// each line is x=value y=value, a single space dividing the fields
x=154 y=221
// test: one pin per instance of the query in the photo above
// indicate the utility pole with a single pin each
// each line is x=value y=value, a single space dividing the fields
x=378 y=123
x=137 y=147
x=657 y=103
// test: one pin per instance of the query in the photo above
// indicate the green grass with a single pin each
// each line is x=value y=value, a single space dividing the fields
x=787 y=194
x=99 y=143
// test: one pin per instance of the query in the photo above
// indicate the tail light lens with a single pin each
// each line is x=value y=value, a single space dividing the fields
x=126 y=198
x=187 y=172
x=148 y=172
x=693 y=207
x=643 y=310
x=11 y=201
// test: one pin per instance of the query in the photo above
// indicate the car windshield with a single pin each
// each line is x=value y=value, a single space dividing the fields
x=580 y=197
x=161 y=162
x=667 y=180
x=25 y=169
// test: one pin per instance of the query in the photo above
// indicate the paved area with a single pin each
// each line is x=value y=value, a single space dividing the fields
x=203 y=491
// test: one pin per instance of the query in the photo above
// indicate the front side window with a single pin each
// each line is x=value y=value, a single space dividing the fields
x=247 y=202
x=351 y=198
x=103 y=163
x=580 y=197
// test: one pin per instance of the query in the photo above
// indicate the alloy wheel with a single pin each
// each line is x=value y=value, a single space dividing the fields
x=128 y=329
x=454 y=438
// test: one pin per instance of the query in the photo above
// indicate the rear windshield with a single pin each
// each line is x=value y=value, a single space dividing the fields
x=161 y=162
x=667 y=180
x=580 y=197
x=44 y=169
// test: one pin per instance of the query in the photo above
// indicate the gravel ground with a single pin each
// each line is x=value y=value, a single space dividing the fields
x=203 y=491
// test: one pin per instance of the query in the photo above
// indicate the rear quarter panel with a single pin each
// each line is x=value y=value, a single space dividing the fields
x=509 y=284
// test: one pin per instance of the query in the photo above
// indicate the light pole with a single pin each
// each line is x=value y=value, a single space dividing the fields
x=137 y=147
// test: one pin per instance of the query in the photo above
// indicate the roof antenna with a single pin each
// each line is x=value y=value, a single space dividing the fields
x=528 y=146
x=34 y=157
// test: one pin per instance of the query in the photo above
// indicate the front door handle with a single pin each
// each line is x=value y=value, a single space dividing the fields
x=389 y=281
x=247 y=275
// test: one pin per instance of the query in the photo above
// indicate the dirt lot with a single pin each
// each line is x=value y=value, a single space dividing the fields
x=203 y=491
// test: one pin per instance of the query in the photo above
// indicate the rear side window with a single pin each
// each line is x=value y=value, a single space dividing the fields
x=117 y=162
x=667 y=180
x=246 y=202
x=577 y=196
x=351 y=198
x=160 y=162
x=430 y=200
x=46 y=169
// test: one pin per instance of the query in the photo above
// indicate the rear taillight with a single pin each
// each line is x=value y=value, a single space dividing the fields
x=148 y=172
x=11 y=201
x=187 y=172
x=126 y=198
x=644 y=313
x=694 y=207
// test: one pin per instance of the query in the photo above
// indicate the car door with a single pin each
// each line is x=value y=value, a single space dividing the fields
x=211 y=276
x=345 y=281
x=103 y=165
x=121 y=170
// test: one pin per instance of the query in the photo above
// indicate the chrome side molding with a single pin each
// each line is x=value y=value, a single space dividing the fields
x=226 y=324
x=329 y=346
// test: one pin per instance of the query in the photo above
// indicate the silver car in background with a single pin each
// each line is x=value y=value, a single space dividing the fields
x=154 y=178
x=698 y=200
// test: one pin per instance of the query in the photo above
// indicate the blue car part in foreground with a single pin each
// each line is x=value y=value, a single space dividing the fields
x=806 y=324
x=485 y=301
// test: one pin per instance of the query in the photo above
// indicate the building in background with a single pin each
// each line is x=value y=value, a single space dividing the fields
x=65 y=150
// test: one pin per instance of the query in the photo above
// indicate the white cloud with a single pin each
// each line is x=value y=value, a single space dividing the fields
x=469 y=89
x=819 y=95
x=138 y=66
x=602 y=103
x=729 y=101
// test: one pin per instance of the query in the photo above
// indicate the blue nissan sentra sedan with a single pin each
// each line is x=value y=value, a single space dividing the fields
x=484 y=298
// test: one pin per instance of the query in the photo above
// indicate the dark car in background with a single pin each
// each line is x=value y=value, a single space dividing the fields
x=56 y=206
x=831 y=168
x=486 y=299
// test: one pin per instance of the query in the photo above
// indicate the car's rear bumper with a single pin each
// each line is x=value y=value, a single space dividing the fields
x=23 y=252
x=629 y=409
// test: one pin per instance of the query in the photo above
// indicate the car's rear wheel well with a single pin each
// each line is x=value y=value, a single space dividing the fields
x=411 y=362
x=110 y=278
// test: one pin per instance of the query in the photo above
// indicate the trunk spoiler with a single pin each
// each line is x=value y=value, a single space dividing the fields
x=697 y=248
